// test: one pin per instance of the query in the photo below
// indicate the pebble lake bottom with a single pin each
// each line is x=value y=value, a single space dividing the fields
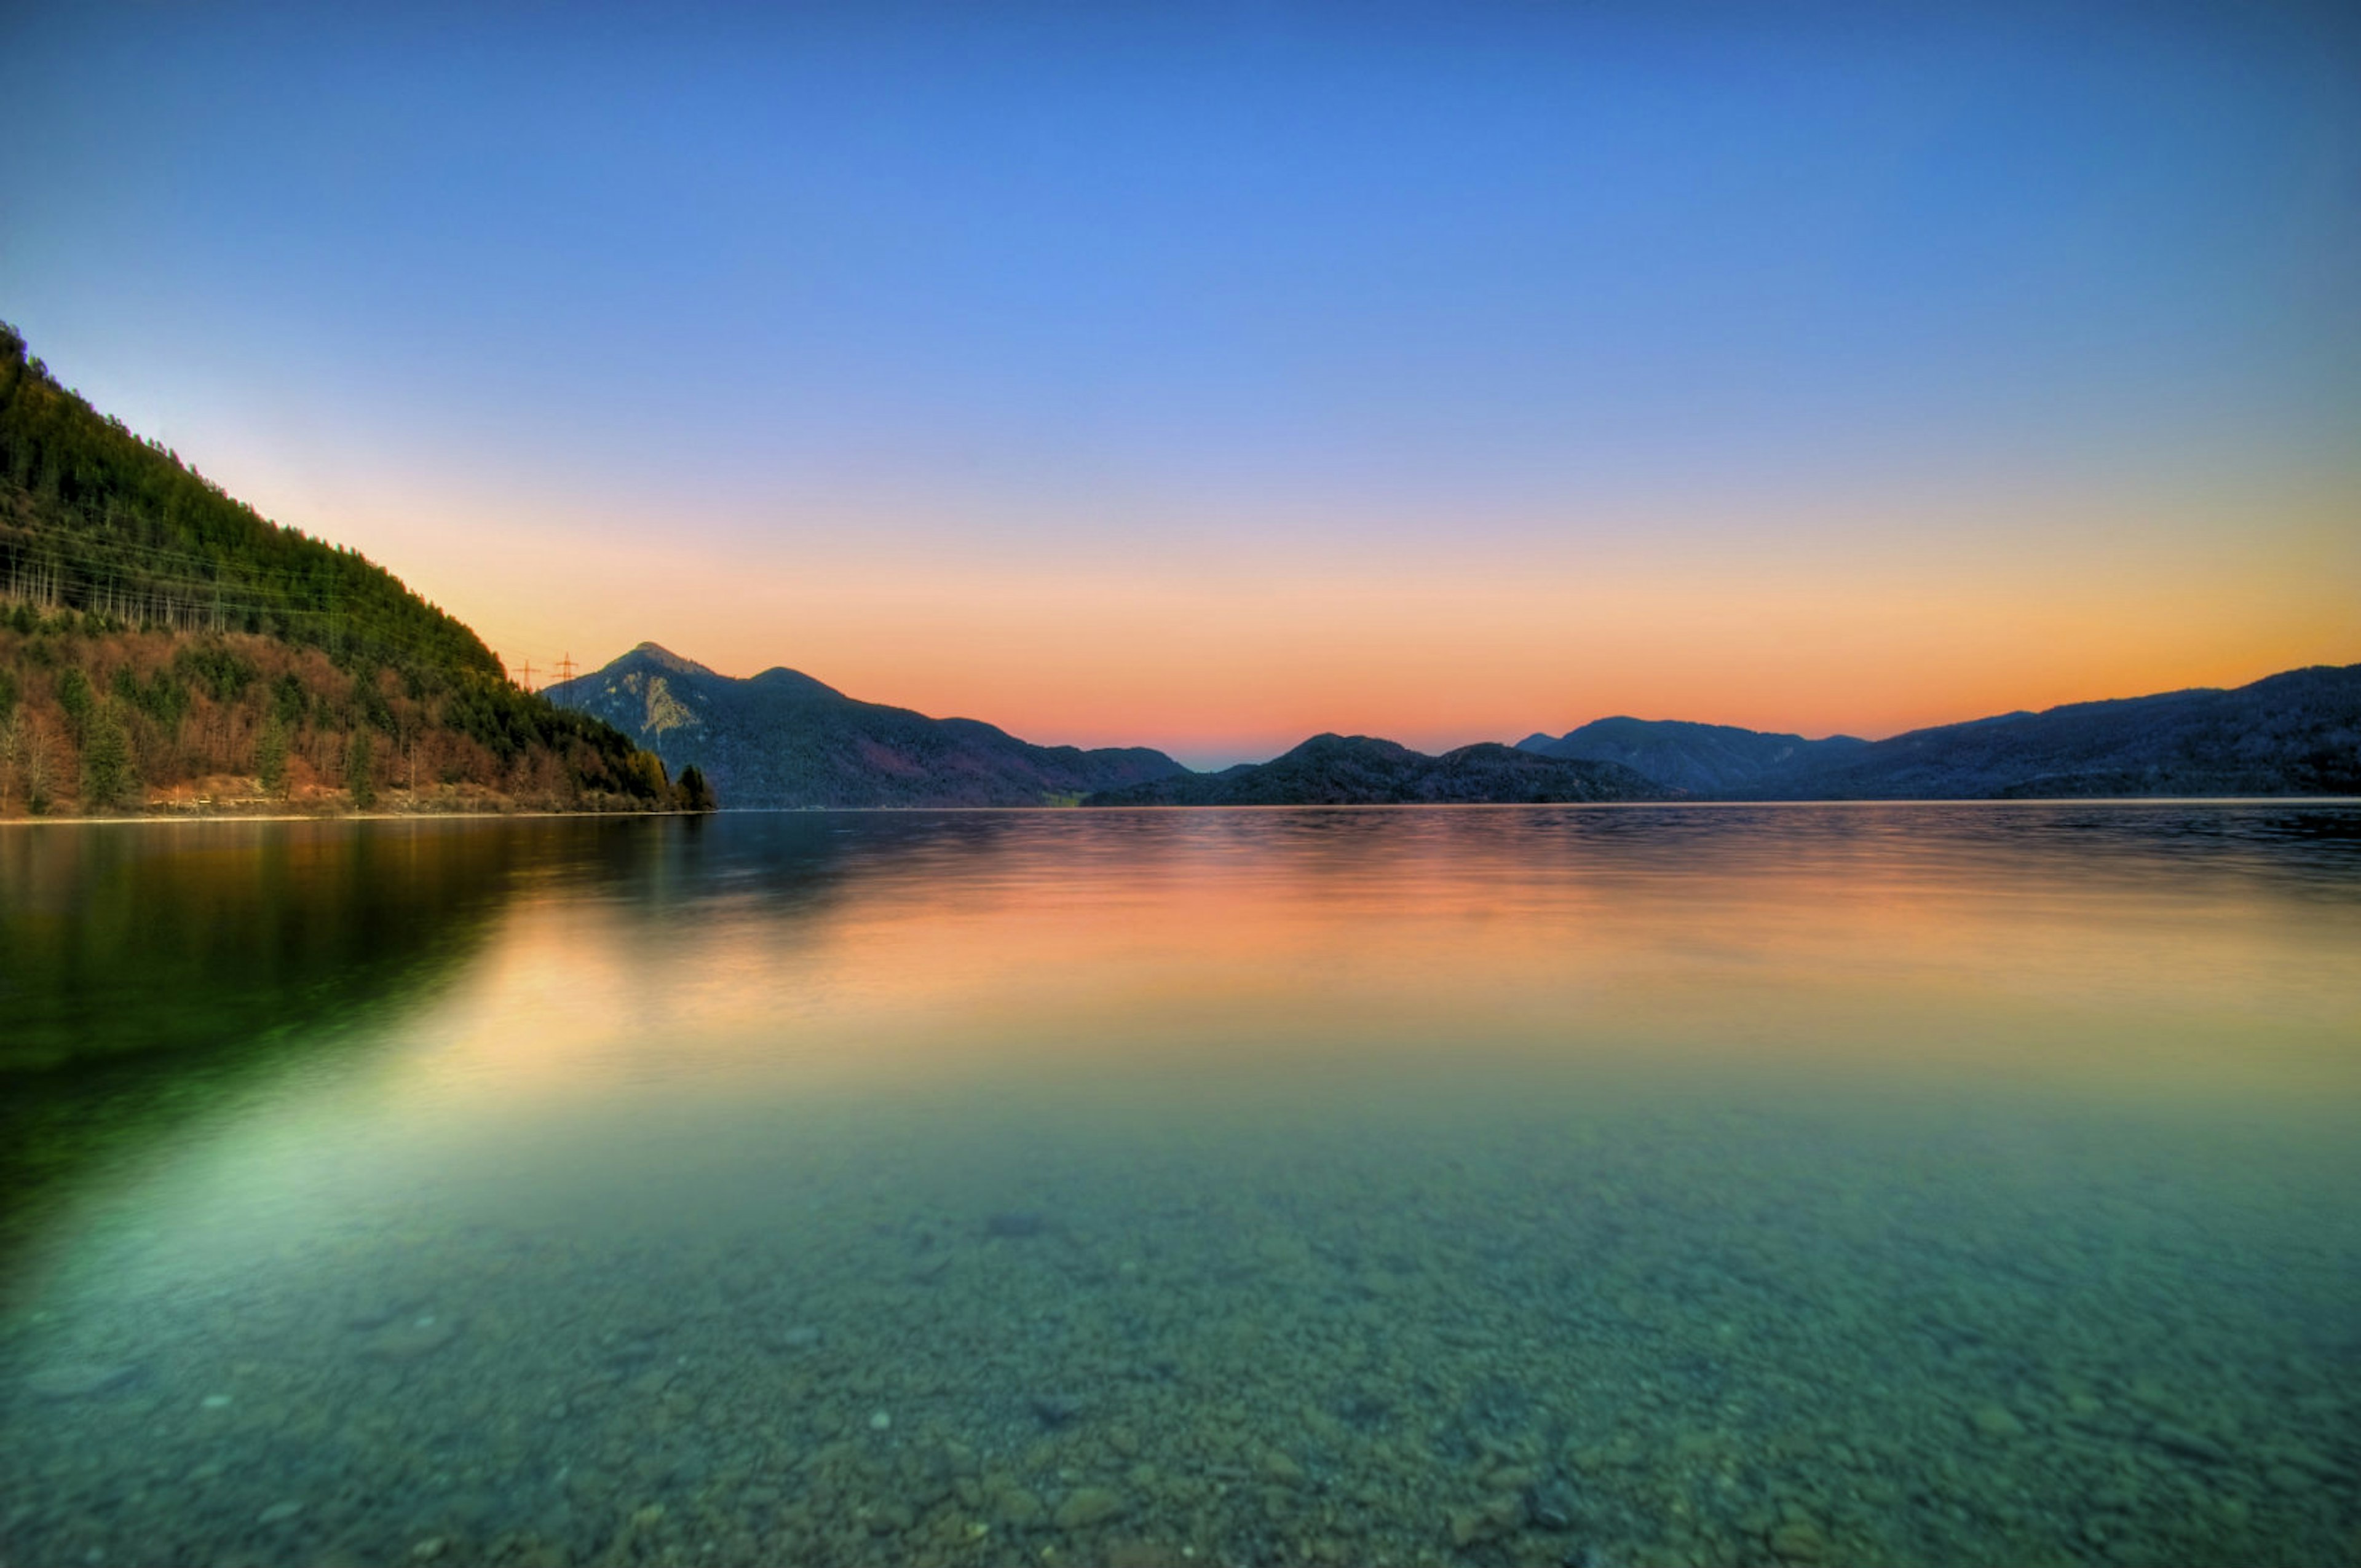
x=1608 y=1187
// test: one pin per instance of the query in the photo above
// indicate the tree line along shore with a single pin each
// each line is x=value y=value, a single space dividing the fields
x=101 y=718
x=163 y=647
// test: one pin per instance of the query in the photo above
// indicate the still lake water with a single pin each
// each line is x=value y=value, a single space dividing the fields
x=1596 y=1186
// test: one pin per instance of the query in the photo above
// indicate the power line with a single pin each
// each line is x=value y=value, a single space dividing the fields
x=82 y=570
x=89 y=575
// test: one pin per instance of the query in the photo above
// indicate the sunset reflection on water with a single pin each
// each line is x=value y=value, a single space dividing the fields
x=1699 y=1185
x=1928 y=947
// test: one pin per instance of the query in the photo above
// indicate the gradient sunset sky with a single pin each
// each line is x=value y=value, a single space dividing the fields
x=1205 y=376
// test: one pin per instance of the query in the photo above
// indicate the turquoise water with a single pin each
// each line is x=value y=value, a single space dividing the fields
x=1592 y=1186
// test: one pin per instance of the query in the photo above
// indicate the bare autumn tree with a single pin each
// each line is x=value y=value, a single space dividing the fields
x=37 y=770
x=12 y=750
x=360 y=769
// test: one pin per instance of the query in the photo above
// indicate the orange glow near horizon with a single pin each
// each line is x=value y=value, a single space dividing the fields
x=1869 y=612
x=1225 y=658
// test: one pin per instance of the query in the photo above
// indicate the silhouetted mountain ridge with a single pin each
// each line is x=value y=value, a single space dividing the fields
x=2294 y=733
x=1359 y=770
x=783 y=738
x=1703 y=758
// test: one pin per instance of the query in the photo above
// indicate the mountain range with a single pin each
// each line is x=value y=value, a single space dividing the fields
x=1357 y=770
x=1699 y=759
x=781 y=739
x=2295 y=733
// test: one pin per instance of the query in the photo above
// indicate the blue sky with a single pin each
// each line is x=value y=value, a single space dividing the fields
x=871 y=339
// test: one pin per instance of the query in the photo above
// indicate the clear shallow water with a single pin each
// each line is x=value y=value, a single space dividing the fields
x=1595 y=1186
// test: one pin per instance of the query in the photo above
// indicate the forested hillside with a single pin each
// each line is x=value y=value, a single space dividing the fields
x=161 y=646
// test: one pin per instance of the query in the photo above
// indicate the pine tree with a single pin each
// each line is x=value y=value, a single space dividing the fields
x=74 y=695
x=270 y=757
x=108 y=777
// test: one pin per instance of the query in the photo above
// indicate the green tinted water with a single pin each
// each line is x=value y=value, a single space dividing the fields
x=1527 y=1186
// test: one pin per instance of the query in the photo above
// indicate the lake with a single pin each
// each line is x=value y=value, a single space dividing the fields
x=1606 y=1186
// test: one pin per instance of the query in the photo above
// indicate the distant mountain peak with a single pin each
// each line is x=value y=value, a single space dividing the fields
x=1328 y=740
x=658 y=654
x=782 y=739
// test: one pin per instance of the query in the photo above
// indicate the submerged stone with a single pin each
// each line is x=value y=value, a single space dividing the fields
x=1997 y=1421
x=1282 y=1469
x=1553 y=1506
x=2309 y=1462
x=77 y=1379
x=1087 y=1506
x=1015 y=1223
x=1488 y=1521
x=1055 y=1411
x=377 y=1313
x=891 y=1518
x=412 y=1338
x=2188 y=1445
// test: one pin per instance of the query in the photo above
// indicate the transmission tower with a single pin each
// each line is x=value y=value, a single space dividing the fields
x=566 y=668
x=527 y=680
